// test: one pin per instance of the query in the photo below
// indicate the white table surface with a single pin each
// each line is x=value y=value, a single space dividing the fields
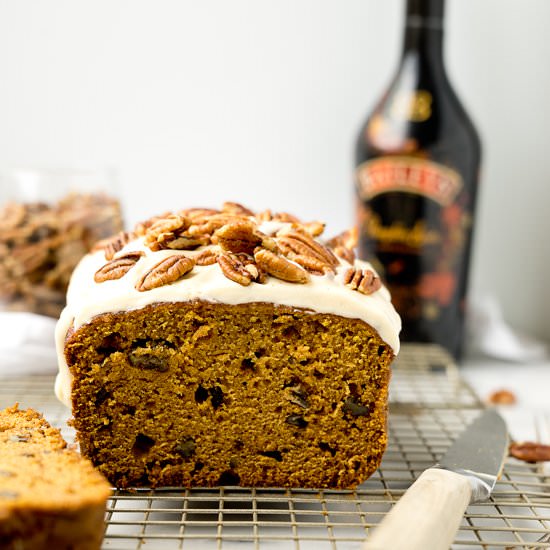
x=529 y=418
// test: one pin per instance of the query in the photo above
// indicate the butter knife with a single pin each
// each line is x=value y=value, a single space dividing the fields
x=428 y=515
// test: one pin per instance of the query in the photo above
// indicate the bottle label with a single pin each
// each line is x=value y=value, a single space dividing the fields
x=414 y=225
x=409 y=174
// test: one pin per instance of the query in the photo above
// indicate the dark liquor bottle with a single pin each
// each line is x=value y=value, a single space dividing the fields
x=417 y=164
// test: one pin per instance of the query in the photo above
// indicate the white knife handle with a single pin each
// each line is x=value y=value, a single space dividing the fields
x=427 y=516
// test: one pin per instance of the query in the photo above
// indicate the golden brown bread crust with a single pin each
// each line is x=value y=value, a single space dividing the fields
x=50 y=497
x=202 y=394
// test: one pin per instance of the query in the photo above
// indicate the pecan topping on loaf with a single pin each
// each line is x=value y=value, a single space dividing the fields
x=344 y=243
x=206 y=257
x=165 y=272
x=117 y=268
x=233 y=268
x=268 y=216
x=313 y=265
x=297 y=243
x=314 y=228
x=114 y=244
x=165 y=226
x=280 y=267
x=363 y=280
x=345 y=253
x=188 y=242
x=347 y=239
x=241 y=236
x=236 y=208
x=174 y=232
x=247 y=248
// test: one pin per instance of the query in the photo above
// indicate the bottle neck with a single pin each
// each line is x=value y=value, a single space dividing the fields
x=423 y=39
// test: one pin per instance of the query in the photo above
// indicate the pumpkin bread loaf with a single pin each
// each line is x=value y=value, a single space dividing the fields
x=50 y=497
x=223 y=347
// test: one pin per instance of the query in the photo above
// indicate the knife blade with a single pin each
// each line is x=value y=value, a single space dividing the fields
x=428 y=515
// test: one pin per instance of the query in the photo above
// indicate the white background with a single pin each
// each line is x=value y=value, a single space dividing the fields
x=259 y=101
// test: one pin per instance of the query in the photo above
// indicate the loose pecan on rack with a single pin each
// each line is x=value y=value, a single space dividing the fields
x=529 y=451
x=502 y=397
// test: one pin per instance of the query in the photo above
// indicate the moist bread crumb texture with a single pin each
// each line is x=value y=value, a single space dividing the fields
x=202 y=394
x=50 y=497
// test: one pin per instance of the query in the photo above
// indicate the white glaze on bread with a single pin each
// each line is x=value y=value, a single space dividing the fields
x=322 y=294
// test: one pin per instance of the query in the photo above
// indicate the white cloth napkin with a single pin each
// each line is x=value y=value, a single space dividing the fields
x=489 y=334
x=27 y=344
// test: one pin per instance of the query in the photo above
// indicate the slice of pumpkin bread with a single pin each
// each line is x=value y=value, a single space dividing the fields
x=223 y=347
x=50 y=497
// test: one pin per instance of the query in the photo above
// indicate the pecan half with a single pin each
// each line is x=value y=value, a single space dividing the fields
x=194 y=213
x=115 y=244
x=206 y=257
x=264 y=216
x=165 y=272
x=166 y=230
x=530 y=451
x=141 y=227
x=502 y=397
x=269 y=243
x=117 y=268
x=187 y=242
x=170 y=224
x=347 y=238
x=280 y=267
x=285 y=217
x=362 y=280
x=134 y=255
x=236 y=208
x=345 y=253
x=234 y=269
x=313 y=265
x=314 y=228
x=268 y=215
x=208 y=224
x=295 y=243
x=258 y=274
x=241 y=236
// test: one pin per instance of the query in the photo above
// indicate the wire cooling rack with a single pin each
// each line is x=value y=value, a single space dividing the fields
x=429 y=406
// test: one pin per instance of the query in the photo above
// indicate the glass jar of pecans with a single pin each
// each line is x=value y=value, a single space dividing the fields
x=49 y=219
